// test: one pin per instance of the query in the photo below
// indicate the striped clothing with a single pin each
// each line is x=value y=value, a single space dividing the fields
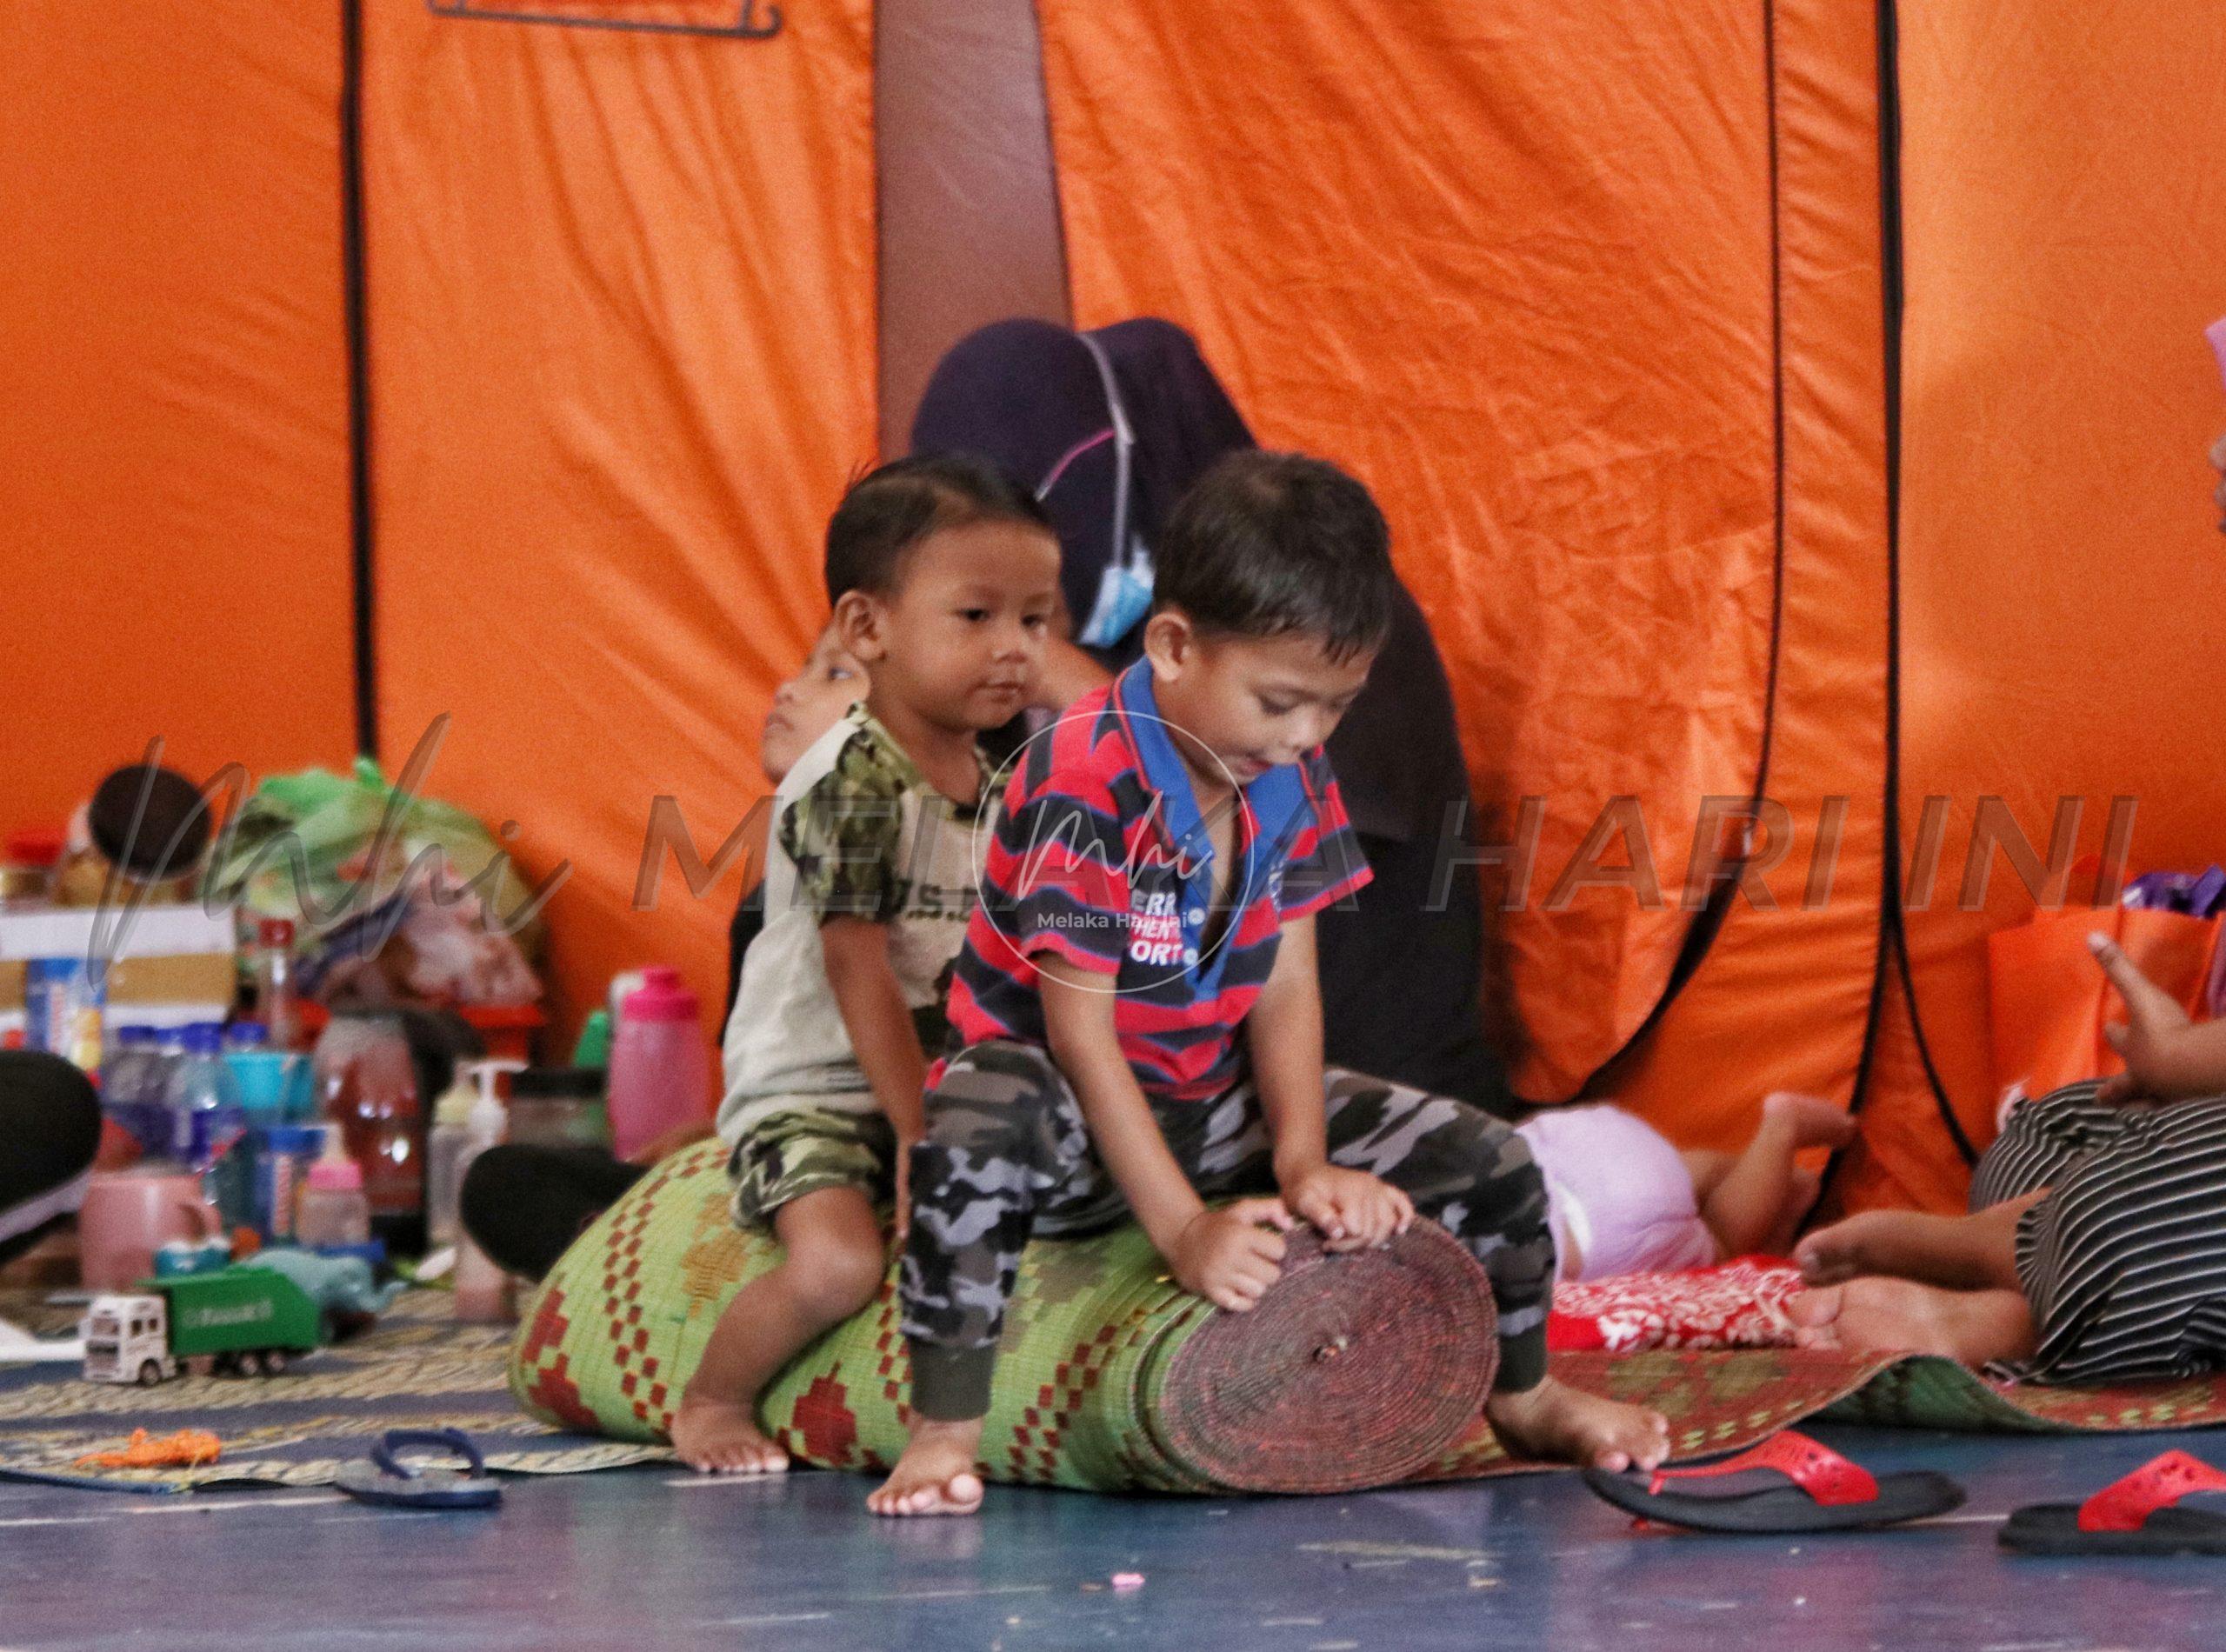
x=1103 y=858
x=2125 y=1261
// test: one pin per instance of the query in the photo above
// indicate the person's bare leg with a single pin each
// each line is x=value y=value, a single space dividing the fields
x=1960 y=1253
x=834 y=1264
x=1744 y=1207
x=1553 y=1422
x=1800 y=1198
x=1872 y=1315
x=935 y=1474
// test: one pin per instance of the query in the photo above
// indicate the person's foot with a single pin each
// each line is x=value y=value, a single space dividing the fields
x=720 y=1437
x=1811 y=1120
x=1870 y=1241
x=1553 y=1422
x=935 y=1475
x=1872 y=1315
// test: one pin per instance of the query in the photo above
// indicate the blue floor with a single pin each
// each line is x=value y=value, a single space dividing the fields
x=651 y=1558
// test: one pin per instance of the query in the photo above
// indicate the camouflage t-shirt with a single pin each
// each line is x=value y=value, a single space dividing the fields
x=857 y=832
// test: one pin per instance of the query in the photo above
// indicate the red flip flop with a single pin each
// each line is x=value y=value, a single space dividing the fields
x=1787 y=1484
x=2175 y=1504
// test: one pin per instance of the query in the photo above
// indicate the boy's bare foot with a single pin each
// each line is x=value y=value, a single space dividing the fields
x=1872 y=1315
x=1811 y=1120
x=935 y=1475
x=720 y=1437
x=1553 y=1422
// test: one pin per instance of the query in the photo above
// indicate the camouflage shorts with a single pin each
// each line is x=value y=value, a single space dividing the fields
x=1008 y=1155
x=803 y=1150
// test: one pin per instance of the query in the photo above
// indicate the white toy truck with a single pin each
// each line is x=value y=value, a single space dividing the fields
x=250 y=1321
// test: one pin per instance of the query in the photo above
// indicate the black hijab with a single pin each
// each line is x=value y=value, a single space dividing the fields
x=1035 y=399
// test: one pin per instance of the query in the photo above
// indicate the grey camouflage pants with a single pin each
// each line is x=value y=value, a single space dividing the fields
x=1007 y=1157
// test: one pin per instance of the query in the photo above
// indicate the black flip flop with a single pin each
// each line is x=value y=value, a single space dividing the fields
x=387 y=1478
x=1787 y=1484
x=2149 y=1512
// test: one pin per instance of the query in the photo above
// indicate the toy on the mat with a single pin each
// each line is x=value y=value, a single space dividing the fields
x=251 y=1319
x=187 y=1448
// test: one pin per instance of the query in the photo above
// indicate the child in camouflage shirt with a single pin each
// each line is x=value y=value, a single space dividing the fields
x=944 y=579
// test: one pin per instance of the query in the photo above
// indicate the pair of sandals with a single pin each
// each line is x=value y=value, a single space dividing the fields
x=2174 y=1505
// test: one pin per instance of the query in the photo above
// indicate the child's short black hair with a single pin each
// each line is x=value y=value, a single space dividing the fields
x=1266 y=543
x=887 y=511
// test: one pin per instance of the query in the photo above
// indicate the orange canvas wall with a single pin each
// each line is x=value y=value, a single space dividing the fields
x=1601 y=316
x=1515 y=272
x=173 y=392
x=621 y=301
x=1783 y=998
x=2061 y=571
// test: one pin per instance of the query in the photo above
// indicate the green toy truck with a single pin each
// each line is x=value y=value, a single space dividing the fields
x=251 y=1321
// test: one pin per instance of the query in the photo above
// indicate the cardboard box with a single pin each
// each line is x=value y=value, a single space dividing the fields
x=168 y=965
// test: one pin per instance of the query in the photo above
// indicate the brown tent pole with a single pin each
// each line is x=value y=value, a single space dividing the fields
x=968 y=204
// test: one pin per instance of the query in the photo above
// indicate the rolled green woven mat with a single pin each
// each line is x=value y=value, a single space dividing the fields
x=1356 y=1370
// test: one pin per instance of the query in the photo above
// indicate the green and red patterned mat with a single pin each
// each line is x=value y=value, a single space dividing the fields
x=1110 y=1377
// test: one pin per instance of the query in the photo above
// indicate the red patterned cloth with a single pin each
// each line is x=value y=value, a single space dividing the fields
x=1735 y=1304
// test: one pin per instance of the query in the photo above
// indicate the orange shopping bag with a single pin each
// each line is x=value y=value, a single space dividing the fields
x=2050 y=1002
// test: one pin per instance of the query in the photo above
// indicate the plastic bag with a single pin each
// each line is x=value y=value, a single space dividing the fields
x=326 y=850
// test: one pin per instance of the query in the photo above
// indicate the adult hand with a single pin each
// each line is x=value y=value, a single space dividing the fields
x=1231 y=1255
x=2147 y=1039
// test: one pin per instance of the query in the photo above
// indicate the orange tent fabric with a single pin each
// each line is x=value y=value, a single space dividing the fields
x=2062 y=572
x=1783 y=998
x=1601 y=314
x=1516 y=275
x=622 y=321
x=1433 y=299
x=173 y=401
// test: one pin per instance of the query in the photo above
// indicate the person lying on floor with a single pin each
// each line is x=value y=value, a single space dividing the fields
x=1623 y=1200
x=523 y=1204
x=1135 y=1016
x=2096 y=1251
x=945 y=577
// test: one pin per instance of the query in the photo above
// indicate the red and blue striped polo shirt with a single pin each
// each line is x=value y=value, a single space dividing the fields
x=1101 y=857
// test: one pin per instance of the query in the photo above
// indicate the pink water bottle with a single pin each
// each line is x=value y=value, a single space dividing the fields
x=660 y=1066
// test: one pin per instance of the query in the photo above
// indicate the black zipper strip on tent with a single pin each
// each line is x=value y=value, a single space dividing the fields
x=359 y=376
x=1893 y=939
x=1701 y=934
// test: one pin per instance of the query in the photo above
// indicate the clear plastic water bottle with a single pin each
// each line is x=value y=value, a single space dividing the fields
x=132 y=1074
x=209 y=1125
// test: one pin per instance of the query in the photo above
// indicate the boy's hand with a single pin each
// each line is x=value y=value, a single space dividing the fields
x=1231 y=1255
x=1354 y=1209
x=2149 y=1038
